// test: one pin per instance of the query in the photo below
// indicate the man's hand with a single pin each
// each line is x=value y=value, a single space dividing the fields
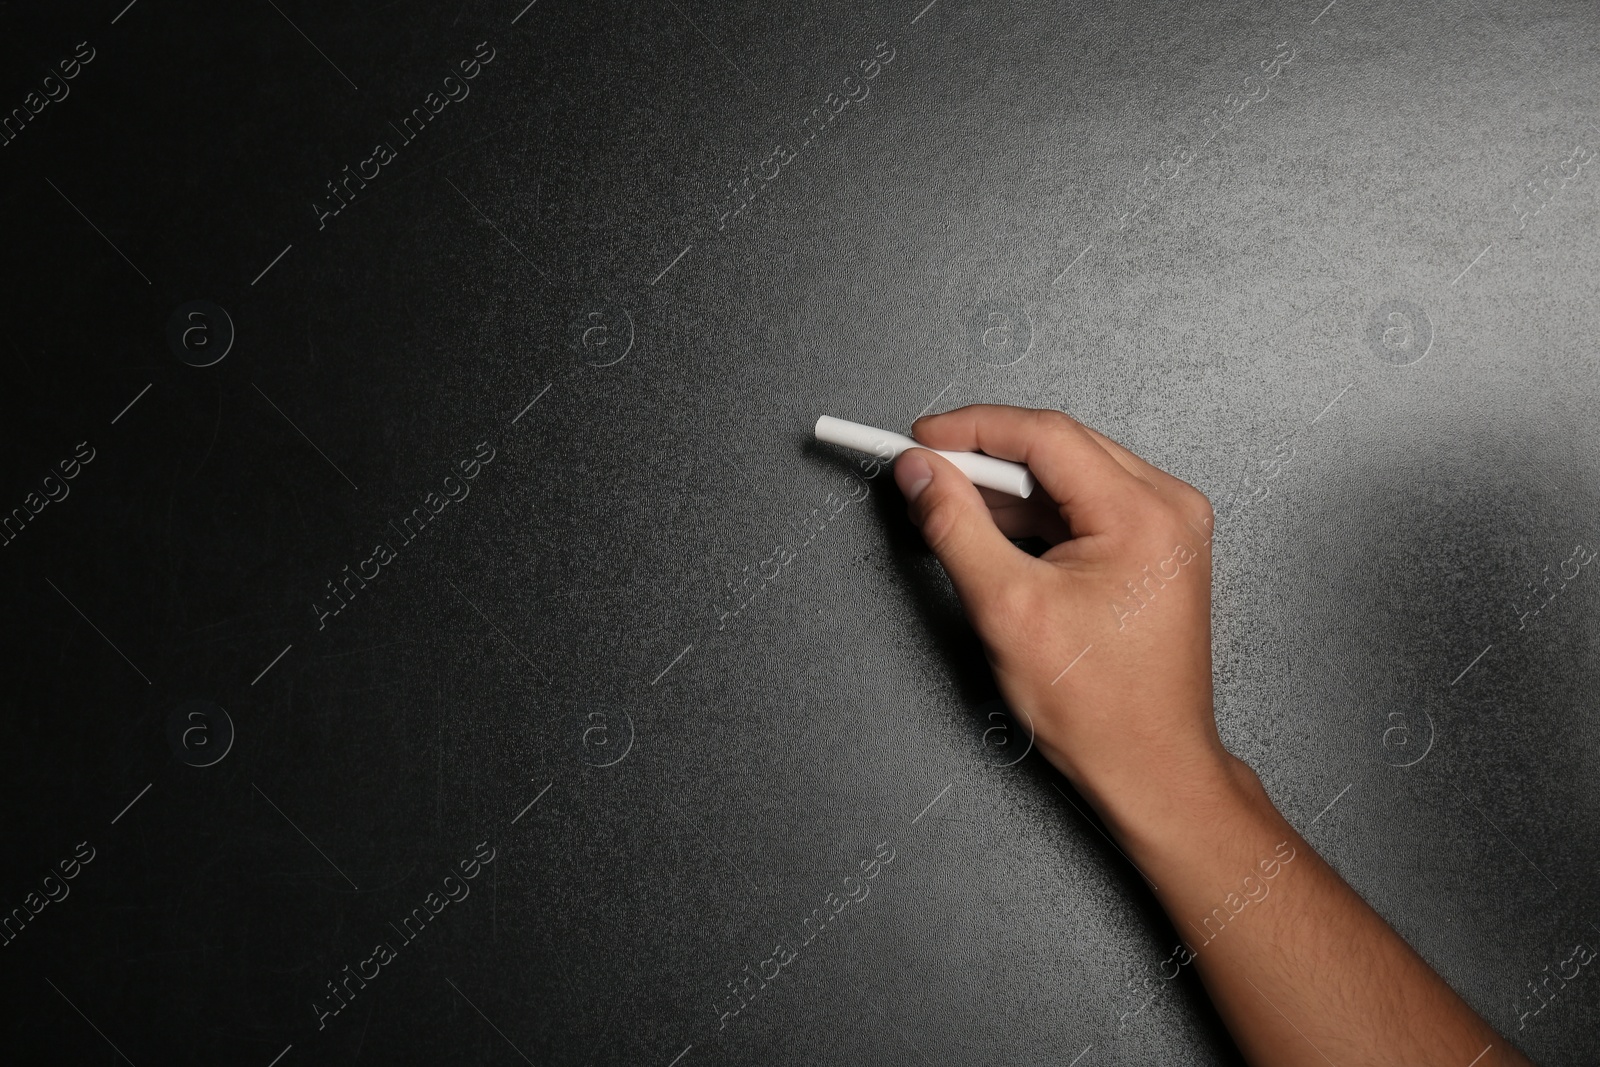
x=1103 y=643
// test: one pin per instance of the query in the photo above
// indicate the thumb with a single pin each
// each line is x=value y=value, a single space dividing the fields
x=956 y=523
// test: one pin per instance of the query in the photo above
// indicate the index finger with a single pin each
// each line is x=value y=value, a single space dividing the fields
x=1096 y=493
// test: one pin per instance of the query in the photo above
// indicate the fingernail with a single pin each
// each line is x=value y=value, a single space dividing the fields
x=912 y=474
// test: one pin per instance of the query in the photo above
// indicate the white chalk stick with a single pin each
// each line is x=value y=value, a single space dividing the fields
x=1001 y=474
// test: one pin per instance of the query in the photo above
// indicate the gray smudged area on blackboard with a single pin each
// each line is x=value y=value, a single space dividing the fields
x=433 y=637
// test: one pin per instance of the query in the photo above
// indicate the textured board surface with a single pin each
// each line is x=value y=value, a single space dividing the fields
x=412 y=535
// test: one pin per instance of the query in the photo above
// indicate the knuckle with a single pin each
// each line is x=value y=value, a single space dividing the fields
x=1198 y=507
x=1156 y=521
x=1056 y=420
x=1147 y=502
x=1174 y=522
x=1194 y=504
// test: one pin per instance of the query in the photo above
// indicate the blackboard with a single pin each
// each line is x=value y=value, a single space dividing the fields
x=410 y=501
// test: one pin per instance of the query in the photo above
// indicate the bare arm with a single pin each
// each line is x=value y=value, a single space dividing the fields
x=1104 y=642
x=1300 y=968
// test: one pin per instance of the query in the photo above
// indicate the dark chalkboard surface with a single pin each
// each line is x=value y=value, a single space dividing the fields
x=434 y=637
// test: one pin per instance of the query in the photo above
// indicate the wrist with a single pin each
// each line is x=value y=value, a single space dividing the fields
x=1188 y=811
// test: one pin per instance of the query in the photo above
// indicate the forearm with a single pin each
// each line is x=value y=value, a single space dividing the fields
x=1300 y=968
